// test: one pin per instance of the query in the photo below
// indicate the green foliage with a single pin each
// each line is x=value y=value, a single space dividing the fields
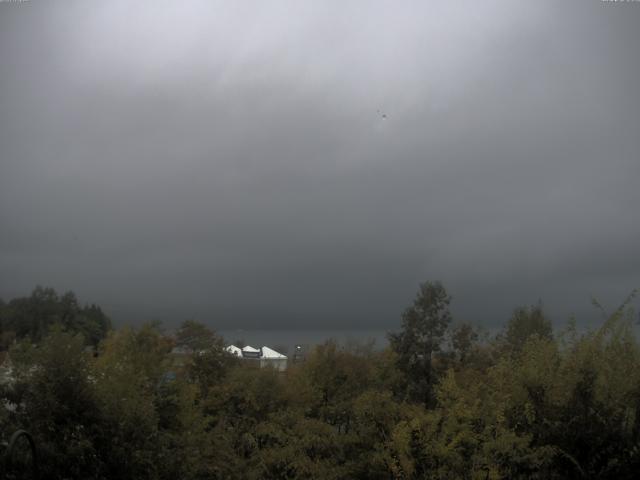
x=527 y=405
x=209 y=368
x=55 y=400
x=196 y=336
x=463 y=340
x=524 y=323
x=128 y=373
x=209 y=362
x=424 y=325
x=31 y=317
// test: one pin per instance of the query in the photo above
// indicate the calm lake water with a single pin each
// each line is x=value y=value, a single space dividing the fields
x=285 y=340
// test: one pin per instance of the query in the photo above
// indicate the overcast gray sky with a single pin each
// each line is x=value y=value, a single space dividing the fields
x=231 y=161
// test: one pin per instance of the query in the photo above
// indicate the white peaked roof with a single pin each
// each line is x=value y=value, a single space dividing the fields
x=232 y=349
x=264 y=352
x=269 y=353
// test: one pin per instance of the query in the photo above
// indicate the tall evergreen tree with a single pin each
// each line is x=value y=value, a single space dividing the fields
x=424 y=325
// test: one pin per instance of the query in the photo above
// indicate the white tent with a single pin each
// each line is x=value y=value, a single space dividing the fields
x=233 y=350
x=250 y=352
x=266 y=356
x=273 y=359
x=270 y=353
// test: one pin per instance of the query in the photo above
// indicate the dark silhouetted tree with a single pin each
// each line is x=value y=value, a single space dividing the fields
x=195 y=335
x=424 y=325
x=524 y=323
x=463 y=338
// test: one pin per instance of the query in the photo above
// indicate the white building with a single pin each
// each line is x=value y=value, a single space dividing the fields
x=264 y=357
x=250 y=352
x=233 y=350
x=273 y=359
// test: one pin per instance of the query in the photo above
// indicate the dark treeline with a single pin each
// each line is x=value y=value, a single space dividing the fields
x=32 y=317
x=438 y=403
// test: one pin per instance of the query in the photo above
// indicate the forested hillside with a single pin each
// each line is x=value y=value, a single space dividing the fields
x=439 y=403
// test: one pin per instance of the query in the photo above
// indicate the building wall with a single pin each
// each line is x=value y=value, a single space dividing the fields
x=279 y=364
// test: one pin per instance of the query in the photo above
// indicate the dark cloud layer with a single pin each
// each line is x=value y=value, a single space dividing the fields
x=230 y=161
